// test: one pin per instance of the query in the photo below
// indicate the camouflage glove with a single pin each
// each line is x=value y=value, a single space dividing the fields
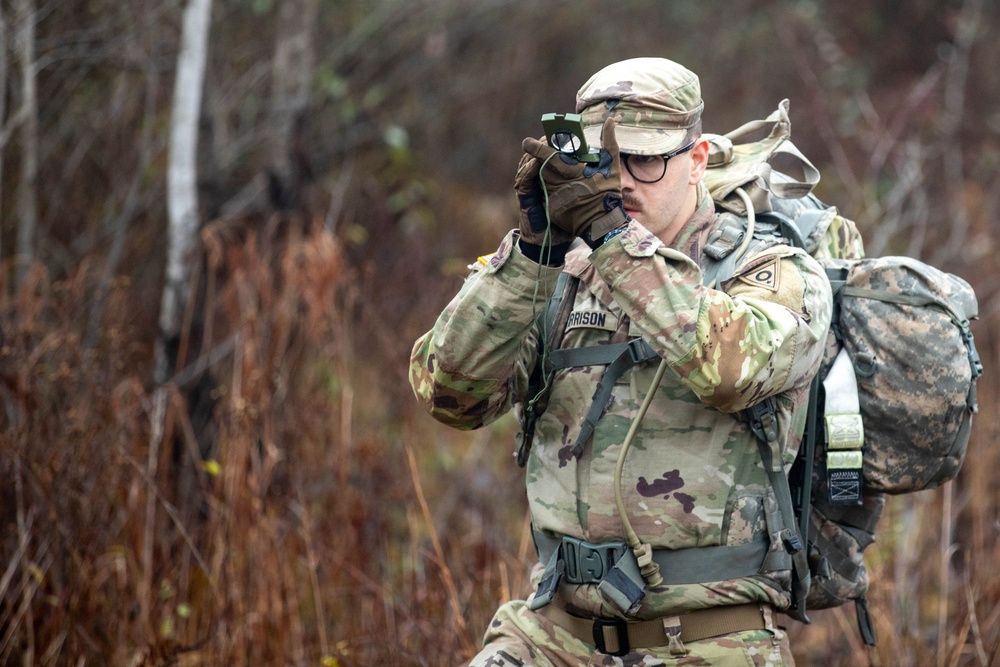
x=585 y=199
x=535 y=242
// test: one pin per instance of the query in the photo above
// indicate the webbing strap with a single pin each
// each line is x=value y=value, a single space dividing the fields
x=763 y=422
x=616 y=637
x=865 y=622
x=597 y=355
x=634 y=352
x=550 y=319
x=882 y=295
x=809 y=454
x=839 y=561
x=696 y=565
x=623 y=585
x=550 y=325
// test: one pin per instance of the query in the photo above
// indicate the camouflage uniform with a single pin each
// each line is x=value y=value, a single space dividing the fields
x=693 y=477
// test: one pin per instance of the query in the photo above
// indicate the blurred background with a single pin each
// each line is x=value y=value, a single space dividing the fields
x=248 y=479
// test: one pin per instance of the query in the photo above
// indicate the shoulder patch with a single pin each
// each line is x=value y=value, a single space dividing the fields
x=767 y=276
x=485 y=259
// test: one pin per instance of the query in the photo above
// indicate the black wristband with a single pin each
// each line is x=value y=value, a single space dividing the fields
x=594 y=245
x=554 y=255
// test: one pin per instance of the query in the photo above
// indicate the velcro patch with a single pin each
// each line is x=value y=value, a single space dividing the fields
x=767 y=276
x=592 y=319
x=845 y=487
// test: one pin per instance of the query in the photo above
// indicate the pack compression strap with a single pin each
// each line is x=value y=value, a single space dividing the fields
x=619 y=357
x=763 y=422
x=550 y=325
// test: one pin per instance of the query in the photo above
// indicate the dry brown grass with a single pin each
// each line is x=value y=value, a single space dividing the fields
x=314 y=517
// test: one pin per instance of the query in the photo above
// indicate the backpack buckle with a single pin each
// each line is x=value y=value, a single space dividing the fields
x=587 y=563
x=614 y=629
x=640 y=351
x=970 y=347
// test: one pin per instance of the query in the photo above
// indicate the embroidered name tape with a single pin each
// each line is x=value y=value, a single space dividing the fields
x=592 y=319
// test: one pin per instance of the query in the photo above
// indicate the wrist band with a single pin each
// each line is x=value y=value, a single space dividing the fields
x=554 y=255
x=613 y=233
x=594 y=245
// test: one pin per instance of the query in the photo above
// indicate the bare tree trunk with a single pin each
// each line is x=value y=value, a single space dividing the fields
x=182 y=171
x=3 y=104
x=954 y=111
x=27 y=203
x=291 y=76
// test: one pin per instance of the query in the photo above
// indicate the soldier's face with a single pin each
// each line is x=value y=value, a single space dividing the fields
x=663 y=207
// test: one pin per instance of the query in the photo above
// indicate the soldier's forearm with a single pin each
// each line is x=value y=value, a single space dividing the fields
x=469 y=368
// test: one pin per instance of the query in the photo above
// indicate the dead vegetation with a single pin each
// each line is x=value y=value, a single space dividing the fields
x=281 y=500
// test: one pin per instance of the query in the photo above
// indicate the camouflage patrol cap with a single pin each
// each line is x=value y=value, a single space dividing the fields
x=654 y=100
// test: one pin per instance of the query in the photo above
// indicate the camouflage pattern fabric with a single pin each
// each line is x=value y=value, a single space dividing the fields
x=693 y=477
x=838 y=240
x=654 y=101
x=914 y=370
x=846 y=577
x=518 y=637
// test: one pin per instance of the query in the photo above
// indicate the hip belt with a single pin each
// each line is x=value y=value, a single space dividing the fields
x=587 y=562
x=617 y=637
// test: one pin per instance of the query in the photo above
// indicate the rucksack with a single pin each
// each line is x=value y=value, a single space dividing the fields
x=889 y=412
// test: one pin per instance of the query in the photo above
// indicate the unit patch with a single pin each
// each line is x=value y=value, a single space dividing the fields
x=592 y=319
x=767 y=276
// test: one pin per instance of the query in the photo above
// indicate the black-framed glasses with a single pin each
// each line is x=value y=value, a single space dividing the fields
x=650 y=168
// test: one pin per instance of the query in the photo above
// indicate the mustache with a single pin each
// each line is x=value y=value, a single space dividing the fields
x=629 y=201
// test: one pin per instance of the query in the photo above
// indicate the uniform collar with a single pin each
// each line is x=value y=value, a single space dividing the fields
x=691 y=238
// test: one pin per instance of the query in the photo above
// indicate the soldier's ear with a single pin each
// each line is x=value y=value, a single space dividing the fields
x=699 y=160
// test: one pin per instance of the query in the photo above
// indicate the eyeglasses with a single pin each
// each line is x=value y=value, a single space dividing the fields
x=650 y=168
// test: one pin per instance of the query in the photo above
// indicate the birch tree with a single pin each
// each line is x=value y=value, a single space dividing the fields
x=182 y=213
x=27 y=203
x=182 y=172
x=3 y=104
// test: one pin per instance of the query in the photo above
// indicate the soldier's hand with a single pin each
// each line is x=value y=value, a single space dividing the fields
x=534 y=224
x=585 y=199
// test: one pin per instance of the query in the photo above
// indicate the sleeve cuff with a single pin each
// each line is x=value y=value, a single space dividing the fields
x=554 y=255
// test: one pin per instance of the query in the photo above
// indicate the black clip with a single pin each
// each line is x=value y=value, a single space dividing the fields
x=621 y=632
x=970 y=347
x=640 y=351
x=793 y=544
x=548 y=586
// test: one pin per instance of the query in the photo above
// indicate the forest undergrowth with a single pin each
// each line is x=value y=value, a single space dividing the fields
x=283 y=502
x=280 y=499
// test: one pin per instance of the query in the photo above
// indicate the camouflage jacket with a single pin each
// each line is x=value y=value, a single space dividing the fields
x=693 y=477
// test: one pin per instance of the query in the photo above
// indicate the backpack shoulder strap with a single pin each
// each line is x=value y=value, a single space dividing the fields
x=551 y=323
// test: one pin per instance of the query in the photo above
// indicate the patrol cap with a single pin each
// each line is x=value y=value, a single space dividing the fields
x=655 y=102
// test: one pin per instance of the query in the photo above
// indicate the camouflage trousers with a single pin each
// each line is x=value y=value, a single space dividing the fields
x=519 y=637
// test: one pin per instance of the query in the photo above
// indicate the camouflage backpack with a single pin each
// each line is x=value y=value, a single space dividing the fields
x=891 y=408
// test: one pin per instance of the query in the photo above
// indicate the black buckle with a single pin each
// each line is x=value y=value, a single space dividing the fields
x=970 y=347
x=640 y=351
x=621 y=630
x=587 y=563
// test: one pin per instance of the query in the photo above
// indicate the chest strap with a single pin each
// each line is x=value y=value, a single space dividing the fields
x=619 y=357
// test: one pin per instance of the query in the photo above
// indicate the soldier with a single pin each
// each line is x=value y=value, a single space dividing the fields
x=667 y=545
